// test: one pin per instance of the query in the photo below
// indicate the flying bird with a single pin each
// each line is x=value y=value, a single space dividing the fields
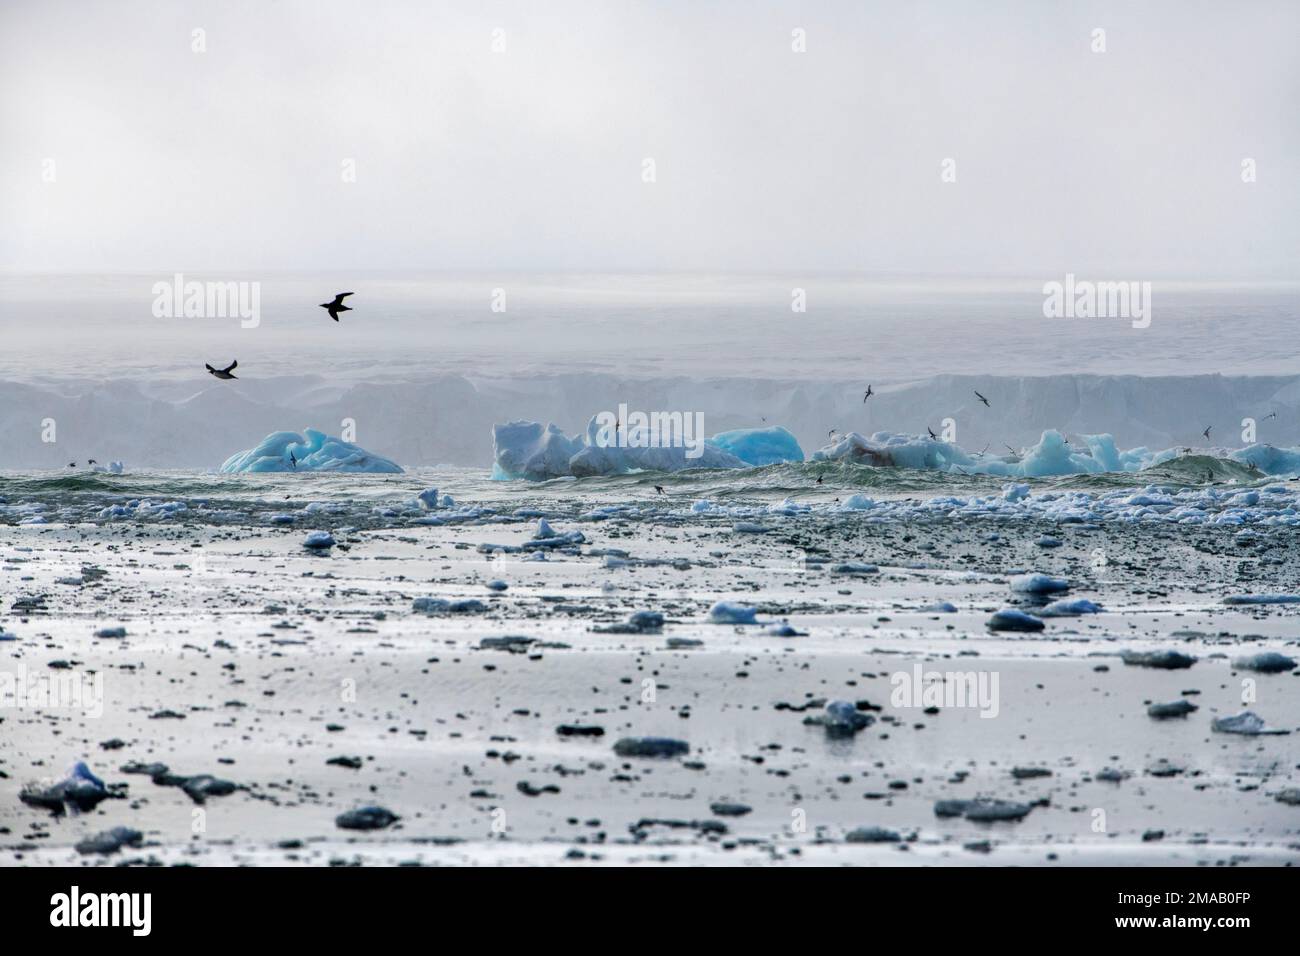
x=1270 y=415
x=293 y=459
x=91 y=461
x=72 y=464
x=983 y=399
x=867 y=394
x=931 y=431
x=1206 y=433
x=337 y=306
x=222 y=372
x=819 y=479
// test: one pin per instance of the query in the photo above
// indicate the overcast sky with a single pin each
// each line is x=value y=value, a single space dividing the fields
x=1119 y=164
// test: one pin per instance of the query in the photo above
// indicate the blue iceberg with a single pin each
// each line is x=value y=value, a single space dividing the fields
x=310 y=451
x=759 y=446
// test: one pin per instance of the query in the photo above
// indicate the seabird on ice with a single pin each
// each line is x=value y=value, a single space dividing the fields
x=222 y=372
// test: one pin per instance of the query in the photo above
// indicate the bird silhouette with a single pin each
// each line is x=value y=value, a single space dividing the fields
x=931 y=431
x=337 y=306
x=91 y=461
x=659 y=490
x=982 y=399
x=819 y=479
x=222 y=372
x=293 y=460
x=867 y=394
x=72 y=464
x=1206 y=433
x=1270 y=415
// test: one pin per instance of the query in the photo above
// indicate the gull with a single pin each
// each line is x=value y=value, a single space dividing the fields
x=931 y=431
x=982 y=399
x=1206 y=433
x=337 y=306
x=1270 y=415
x=222 y=372
x=867 y=394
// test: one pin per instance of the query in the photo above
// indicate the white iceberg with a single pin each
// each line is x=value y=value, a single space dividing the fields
x=310 y=451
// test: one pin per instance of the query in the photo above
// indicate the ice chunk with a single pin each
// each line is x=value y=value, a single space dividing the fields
x=725 y=612
x=759 y=446
x=1038 y=584
x=310 y=451
x=530 y=450
x=1010 y=619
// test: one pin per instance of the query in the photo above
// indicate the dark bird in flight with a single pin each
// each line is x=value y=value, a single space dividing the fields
x=293 y=460
x=867 y=394
x=982 y=399
x=659 y=490
x=1270 y=415
x=819 y=479
x=831 y=432
x=931 y=431
x=1206 y=433
x=337 y=306
x=1010 y=449
x=72 y=464
x=222 y=372
x=91 y=461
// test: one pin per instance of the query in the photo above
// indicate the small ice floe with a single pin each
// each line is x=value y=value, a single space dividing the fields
x=789 y=507
x=749 y=527
x=940 y=607
x=840 y=718
x=1075 y=608
x=511 y=643
x=983 y=810
x=548 y=537
x=281 y=519
x=1247 y=723
x=1015 y=492
x=1176 y=708
x=651 y=747
x=857 y=503
x=639 y=622
x=1164 y=767
x=872 y=835
x=366 y=818
x=1030 y=773
x=118 y=631
x=1035 y=583
x=727 y=612
x=80 y=789
x=7 y=635
x=783 y=629
x=319 y=541
x=1047 y=541
x=725 y=809
x=683 y=643
x=854 y=568
x=432 y=605
x=1290 y=796
x=1169 y=660
x=1113 y=775
x=1246 y=599
x=1268 y=662
x=497 y=585
x=1011 y=619
x=428 y=498
x=110 y=841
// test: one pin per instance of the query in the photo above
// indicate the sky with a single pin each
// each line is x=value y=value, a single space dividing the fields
x=127 y=148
